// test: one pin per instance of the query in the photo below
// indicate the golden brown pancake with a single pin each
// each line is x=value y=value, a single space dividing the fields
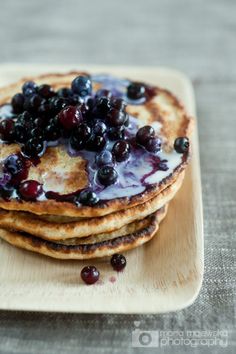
x=141 y=232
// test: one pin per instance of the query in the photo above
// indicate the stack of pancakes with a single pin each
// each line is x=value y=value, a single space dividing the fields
x=65 y=230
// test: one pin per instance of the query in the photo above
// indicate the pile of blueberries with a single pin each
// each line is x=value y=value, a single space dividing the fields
x=42 y=115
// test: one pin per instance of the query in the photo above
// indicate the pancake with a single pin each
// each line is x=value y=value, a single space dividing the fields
x=64 y=175
x=49 y=230
x=106 y=246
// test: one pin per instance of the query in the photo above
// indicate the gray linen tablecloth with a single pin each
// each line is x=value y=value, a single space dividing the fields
x=197 y=37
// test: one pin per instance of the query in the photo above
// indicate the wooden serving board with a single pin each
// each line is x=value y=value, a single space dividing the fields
x=163 y=275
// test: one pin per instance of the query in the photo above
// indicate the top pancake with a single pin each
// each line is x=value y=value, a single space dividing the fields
x=61 y=173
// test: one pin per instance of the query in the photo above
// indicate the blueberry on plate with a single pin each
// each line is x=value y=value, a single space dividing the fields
x=181 y=145
x=82 y=86
x=90 y=274
x=118 y=262
x=116 y=133
x=107 y=175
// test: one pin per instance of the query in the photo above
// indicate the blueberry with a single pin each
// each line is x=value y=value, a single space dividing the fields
x=96 y=143
x=17 y=102
x=103 y=93
x=80 y=136
x=7 y=130
x=99 y=127
x=119 y=103
x=181 y=145
x=6 y=191
x=37 y=133
x=90 y=274
x=82 y=86
x=13 y=164
x=104 y=158
x=103 y=105
x=121 y=150
x=33 y=148
x=107 y=175
x=70 y=117
x=136 y=90
x=57 y=104
x=52 y=130
x=20 y=133
x=24 y=118
x=118 y=262
x=87 y=197
x=116 y=118
x=29 y=88
x=65 y=92
x=30 y=190
x=153 y=145
x=116 y=133
x=46 y=91
x=32 y=103
x=144 y=134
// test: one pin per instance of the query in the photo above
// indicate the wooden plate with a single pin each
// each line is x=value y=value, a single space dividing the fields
x=163 y=275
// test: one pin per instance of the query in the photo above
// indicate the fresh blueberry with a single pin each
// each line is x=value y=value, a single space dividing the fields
x=144 y=134
x=17 y=103
x=80 y=136
x=13 y=164
x=119 y=103
x=153 y=145
x=116 y=118
x=20 y=133
x=33 y=148
x=96 y=143
x=90 y=274
x=88 y=197
x=103 y=105
x=70 y=117
x=107 y=175
x=30 y=190
x=121 y=150
x=99 y=127
x=6 y=191
x=32 y=103
x=7 y=130
x=136 y=90
x=181 y=145
x=103 y=93
x=118 y=262
x=116 y=133
x=65 y=92
x=46 y=91
x=37 y=133
x=29 y=88
x=104 y=158
x=82 y=86
x=52 y=130
x=57 y=104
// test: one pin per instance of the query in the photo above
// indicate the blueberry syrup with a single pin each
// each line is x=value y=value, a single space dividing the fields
x=122 y=160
